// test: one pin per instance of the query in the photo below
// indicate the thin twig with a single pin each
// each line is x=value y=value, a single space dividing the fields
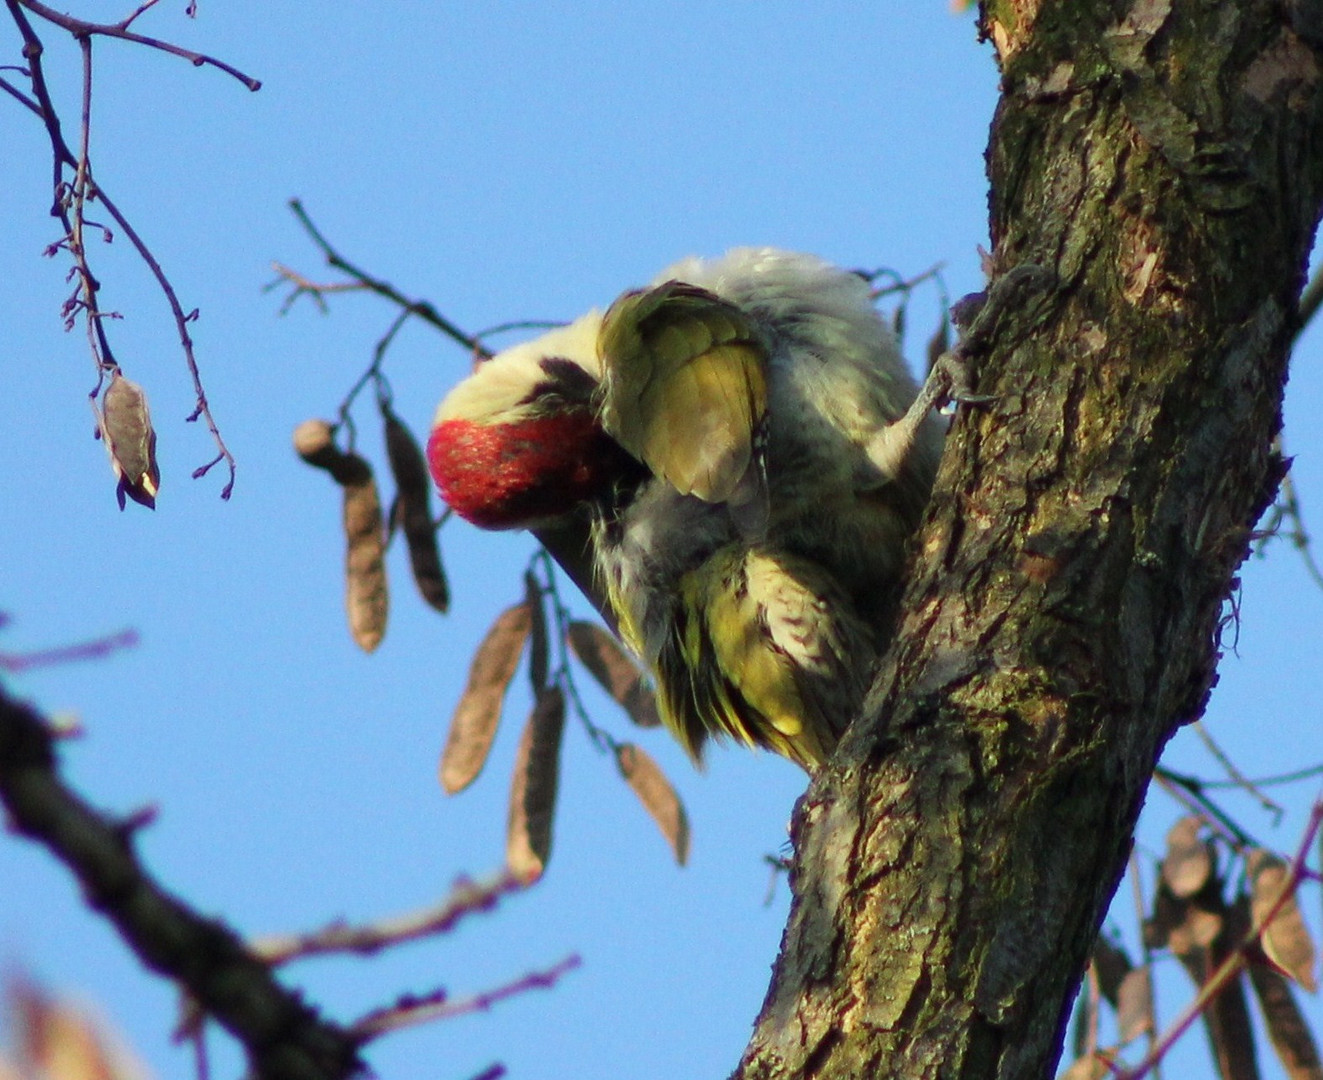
x=1288 y=507
x=80 y=28
x=563 y=676
x=1237 y=778
x=437 y=1007
x=96 y=649
x=1275 y=780
x=421 y=308
x=1310 y=300
x=467 y=898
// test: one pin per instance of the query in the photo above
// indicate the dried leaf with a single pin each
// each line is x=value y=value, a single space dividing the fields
x=1287 y=1029
x=658 y=797
x=618 y=675
x=533 y=791
x=413 y=509
x=1134 y=1004
x=126 y=428
x=366 y=597
x=538 y=659
x=60 y=1042
x=1089 y=1067
x=1285 y=939
x=473 y=726
x=1189 y=863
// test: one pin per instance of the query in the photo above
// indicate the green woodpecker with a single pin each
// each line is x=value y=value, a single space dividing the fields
x=729 y=465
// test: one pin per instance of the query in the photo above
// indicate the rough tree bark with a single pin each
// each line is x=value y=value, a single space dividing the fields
x=1164 y=160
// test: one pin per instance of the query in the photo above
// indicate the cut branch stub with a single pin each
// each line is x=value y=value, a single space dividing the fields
x=658 y=797
x=1285 y=939
x=618 y=675
x=126 y=428
x=533 y=790
x=367 y=599
x=473 y=726
x=413 y=510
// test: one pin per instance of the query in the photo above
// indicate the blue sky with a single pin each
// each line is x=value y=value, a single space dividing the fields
x=509 y=161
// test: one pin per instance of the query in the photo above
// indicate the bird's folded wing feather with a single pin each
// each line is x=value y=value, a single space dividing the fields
x=685 y=389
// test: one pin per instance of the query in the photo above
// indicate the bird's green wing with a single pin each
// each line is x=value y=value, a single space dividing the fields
x=685 y=388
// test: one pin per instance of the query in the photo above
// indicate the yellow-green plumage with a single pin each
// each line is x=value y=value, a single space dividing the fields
x=756 y=573
x=765 y=650
x=750 y=548
x=684 y=386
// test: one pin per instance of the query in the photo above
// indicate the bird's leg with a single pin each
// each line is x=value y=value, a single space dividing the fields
x=980 y=318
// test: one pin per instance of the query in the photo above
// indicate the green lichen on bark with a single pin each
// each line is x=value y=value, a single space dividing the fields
x=1165 y=162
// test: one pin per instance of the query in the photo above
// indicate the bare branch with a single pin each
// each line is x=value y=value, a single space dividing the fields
x=69 y=202
x=421 y=308
x=283 y=1036
x=467 y=898
x=80 y=28
x=436 y=1006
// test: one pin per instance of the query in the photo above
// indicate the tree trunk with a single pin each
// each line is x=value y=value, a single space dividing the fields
x=1164 y=161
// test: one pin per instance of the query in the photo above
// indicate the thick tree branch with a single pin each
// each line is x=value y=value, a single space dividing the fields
x=1163 y=162
x=283 y=1036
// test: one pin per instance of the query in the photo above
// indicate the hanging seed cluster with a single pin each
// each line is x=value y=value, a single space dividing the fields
x=518 y=632
x=1227 y=911
x=367 y=596
x=522 y=631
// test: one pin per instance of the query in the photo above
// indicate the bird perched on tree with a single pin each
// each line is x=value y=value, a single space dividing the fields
x=729 y=463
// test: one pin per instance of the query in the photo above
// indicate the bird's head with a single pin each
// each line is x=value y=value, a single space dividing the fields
x=518 y=443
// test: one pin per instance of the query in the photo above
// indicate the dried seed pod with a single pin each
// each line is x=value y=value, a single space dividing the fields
x=538 y=658
x=1286 y=1025
x=314 y=442
x=473 y=726
x=1190 y=861
x=126 y=428
x=1134 y=1004
x=533 y=790
x=1285 y=939
x=413 y=510
x=367 y=599
x=657 y=795
x=1111 y=964
x=618 y=675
